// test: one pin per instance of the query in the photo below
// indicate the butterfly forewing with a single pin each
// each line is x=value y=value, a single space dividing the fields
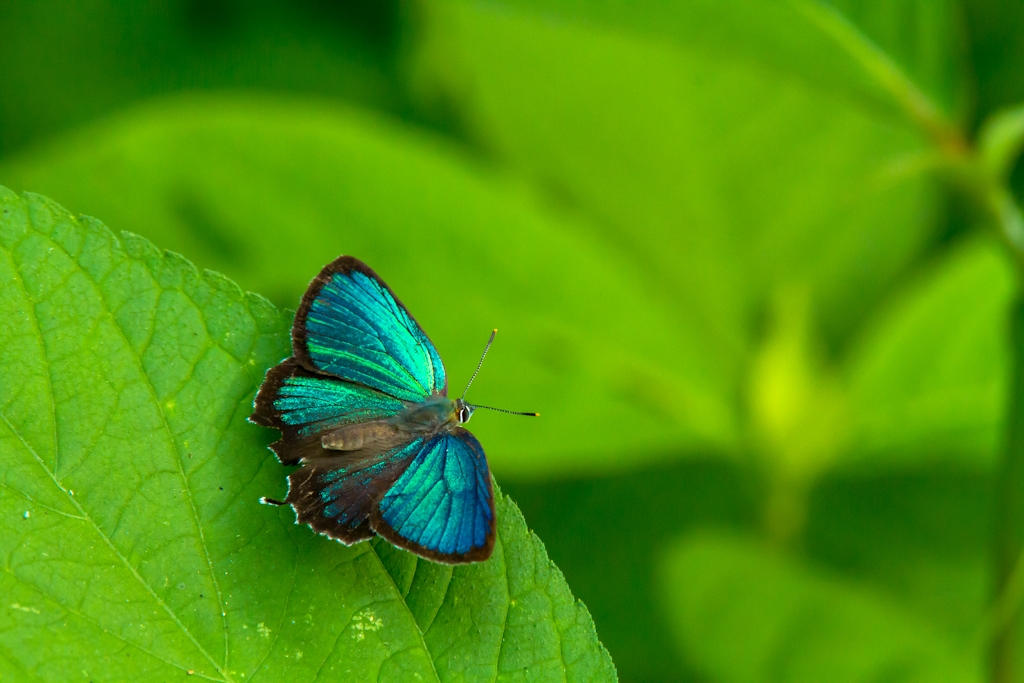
x=304 y=405
x=351 y=325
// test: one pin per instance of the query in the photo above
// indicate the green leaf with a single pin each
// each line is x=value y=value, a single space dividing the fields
x=1001 y=140
x=269 y=191
x=925 y=40
x=743 y=614
x=928 y=378
x=132 y=543
x=724 y=174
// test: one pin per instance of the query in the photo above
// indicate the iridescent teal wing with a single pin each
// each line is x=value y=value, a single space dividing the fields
x=442 y=505
x=351 y=325
x=304 y=405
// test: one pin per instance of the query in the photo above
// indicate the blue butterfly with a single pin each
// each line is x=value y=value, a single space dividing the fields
x=363 y=409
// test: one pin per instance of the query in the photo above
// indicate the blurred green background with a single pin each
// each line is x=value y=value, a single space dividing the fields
x=743 y=256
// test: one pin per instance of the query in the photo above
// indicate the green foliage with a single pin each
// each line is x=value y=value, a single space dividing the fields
x=749 y=260
x=72 y=66
x=813 y=628
x=440 y=231
x=762 y=181
x=133 y=544
x=928 y=380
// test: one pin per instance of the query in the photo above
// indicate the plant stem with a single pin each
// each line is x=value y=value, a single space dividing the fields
x=1010 y=517
x=916 y=105
x=984 y=177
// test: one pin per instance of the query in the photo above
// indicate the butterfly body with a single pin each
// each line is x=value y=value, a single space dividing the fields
x=364 y=412
x=436 y=414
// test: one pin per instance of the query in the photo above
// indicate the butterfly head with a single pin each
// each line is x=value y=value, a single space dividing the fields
x=463 y=410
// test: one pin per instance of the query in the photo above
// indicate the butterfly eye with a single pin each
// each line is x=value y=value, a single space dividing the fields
x=464 y=414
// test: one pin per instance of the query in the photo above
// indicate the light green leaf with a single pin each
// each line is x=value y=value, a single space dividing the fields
x=927 y=41
x=1001 y=140
x=269 y=191
x=132 y=544
x=922 y=39
x=928 y=378
x=726 y=176
x=743 y=614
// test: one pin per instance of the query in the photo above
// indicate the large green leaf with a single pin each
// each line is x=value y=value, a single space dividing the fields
x=744 y=614
x=928 y=378
x=132 y=544
x=268 y=192
x=725 y=175
x=799 y=38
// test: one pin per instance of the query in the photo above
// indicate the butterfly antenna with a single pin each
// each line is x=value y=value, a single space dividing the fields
x=510 y=412
x=482 y=356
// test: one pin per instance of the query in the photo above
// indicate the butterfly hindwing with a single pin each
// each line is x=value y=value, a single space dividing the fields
x=304 y=405
x=335 y=496
x=442 y=506
x=351 y=325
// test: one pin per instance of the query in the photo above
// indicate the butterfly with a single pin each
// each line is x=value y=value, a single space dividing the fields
x=363 y=410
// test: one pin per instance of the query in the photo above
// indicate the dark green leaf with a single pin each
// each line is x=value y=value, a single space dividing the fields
x=745 y=614
x=79 y=62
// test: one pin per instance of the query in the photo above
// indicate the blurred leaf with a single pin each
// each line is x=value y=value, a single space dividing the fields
x=133 y=545
x=928 y=379
x=743 y=614
x=923 y=534
x=925 y=39
x=67 y=64
x=797 y=405
x=1001 y=140
x=723 y=175
x=268 y=192
x=609 y=550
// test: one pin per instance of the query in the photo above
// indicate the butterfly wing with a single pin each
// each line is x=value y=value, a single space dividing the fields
x=351 y=325
x=335 y=496
x=304 y=405
x=442 y=505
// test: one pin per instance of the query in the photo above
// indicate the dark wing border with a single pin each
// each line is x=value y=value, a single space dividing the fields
x=343 y=265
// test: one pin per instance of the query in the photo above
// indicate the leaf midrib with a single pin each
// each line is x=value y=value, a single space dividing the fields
x=170 y=437
x=85 y=517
